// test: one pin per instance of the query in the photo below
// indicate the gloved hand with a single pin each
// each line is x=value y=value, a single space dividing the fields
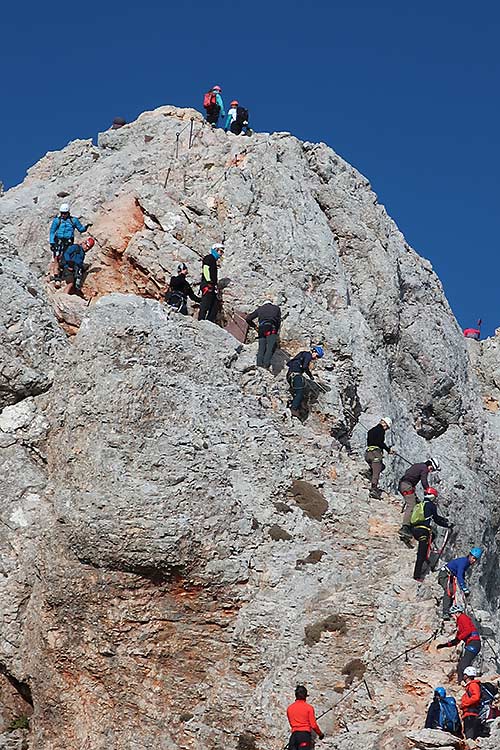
x=441 y=645
x=451 y=526
x=466 y=592
x=321 y=736
x=88 y=225
x=53 y=246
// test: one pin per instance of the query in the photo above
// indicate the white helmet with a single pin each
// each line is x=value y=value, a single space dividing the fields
x=217 y=246
x=387 y=421
x=64 y=208
x=470 y=671
x=457 y=609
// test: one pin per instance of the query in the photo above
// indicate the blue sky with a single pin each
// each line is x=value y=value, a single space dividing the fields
x=408 y=93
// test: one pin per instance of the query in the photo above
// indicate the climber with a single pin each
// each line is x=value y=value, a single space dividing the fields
x=452 y=574
x=299 y=366
x=214 y=106
x=443 y=713
x=470 y=704
x=71 y=265
x=237 y=119
x=302 y=721
x=62 y=235
x=179 y=290
x=269 y=317
x=467 y=633
x=424 y=512
x=407 y=485
x=209 y=278
x=374 y=453
x=473 y=333
x=118 y=123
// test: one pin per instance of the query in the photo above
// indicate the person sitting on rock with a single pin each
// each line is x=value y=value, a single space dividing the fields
x=299 y=366
x=179 y=290
x=71 y=265
x=209 y=305
x=62 y=235
x=237 y=119
x=453 y=574
x=468 y=634
x=302 y=720
x=471 y=704
x=442 y=713
x=269 y=317
x=214 y=106
x=417 y=473
x=375 y=451
x=424 y=513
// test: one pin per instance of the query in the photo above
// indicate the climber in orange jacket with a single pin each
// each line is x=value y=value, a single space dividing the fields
x=302 y=721
x=467 y=633
x=470 y=704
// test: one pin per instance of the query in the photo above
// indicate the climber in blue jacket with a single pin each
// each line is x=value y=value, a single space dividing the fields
x=62 y=235
x=454 y=573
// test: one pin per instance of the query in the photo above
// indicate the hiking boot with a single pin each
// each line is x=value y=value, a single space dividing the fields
x=295 y=413
x=405 y=533
x=376 y=493
x=418 y=580
x=447 y=616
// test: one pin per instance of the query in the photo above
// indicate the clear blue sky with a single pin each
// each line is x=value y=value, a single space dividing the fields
x=407 y=92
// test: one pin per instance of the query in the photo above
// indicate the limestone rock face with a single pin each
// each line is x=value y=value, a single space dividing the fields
x=177 y=552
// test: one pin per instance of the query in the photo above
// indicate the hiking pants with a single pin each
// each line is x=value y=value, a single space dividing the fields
x=447 y=582
x=208 y=307
x=298 y=386
x=423 y=536
x=267 y=347
x=373 y=458
x=408 y=492
x=300 y=741
x=469 y=654
x=213 y=115
x=472 y=727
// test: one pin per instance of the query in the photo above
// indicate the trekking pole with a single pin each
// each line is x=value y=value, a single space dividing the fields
x=166 y=178
x=191 y=133
x=177 y=136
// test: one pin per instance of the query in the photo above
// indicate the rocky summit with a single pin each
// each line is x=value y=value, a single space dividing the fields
x=177 y=551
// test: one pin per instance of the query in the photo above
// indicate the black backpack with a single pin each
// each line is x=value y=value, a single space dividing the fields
x=241 y=115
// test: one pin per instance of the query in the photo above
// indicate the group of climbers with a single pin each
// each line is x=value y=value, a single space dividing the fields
x=68 y=258
x=236 y=120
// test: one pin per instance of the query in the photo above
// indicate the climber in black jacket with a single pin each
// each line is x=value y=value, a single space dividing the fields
x=208 y=285
x=269 y=317
x=299 y=366
x=422 y=516
x=375 y=447
x=179 y=290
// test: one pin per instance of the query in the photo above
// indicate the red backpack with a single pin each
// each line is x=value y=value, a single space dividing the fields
x=209 y=100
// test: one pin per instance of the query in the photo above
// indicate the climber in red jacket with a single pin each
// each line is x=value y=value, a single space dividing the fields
x=302 y=721
x=467 y=633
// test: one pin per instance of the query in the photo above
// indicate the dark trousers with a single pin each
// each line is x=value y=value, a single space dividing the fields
x=467 y=658
x=447 y=583
x=297 y=385
x=267 y=347
x=208 y=307
x=236 y=127
x=300 y=741
x=422 y=535
x=472 y=727
x=374 y=460
x=212 y=115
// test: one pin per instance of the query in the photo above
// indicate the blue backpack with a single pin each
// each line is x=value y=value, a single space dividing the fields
x=73 y=256
x=448 y=715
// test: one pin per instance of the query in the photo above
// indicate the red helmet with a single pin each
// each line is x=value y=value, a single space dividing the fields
x=431 y=491
x=216 y=88
x=89 y=242
x=234 y=103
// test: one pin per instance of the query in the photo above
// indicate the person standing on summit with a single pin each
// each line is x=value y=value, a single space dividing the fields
x=62 y=235
x=407 y=485
x=214 y=106
x=375 y=447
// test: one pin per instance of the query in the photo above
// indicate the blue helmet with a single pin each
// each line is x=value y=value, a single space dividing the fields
x=440 y=691
x=319 y=351
x=476 y=552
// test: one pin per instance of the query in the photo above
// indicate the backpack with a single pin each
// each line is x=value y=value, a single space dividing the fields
x=60 y=220
x=449 y=719
x=209 y=100
x=74 y=255
x=418 y=513
x=488 y=695
x=241 y=115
